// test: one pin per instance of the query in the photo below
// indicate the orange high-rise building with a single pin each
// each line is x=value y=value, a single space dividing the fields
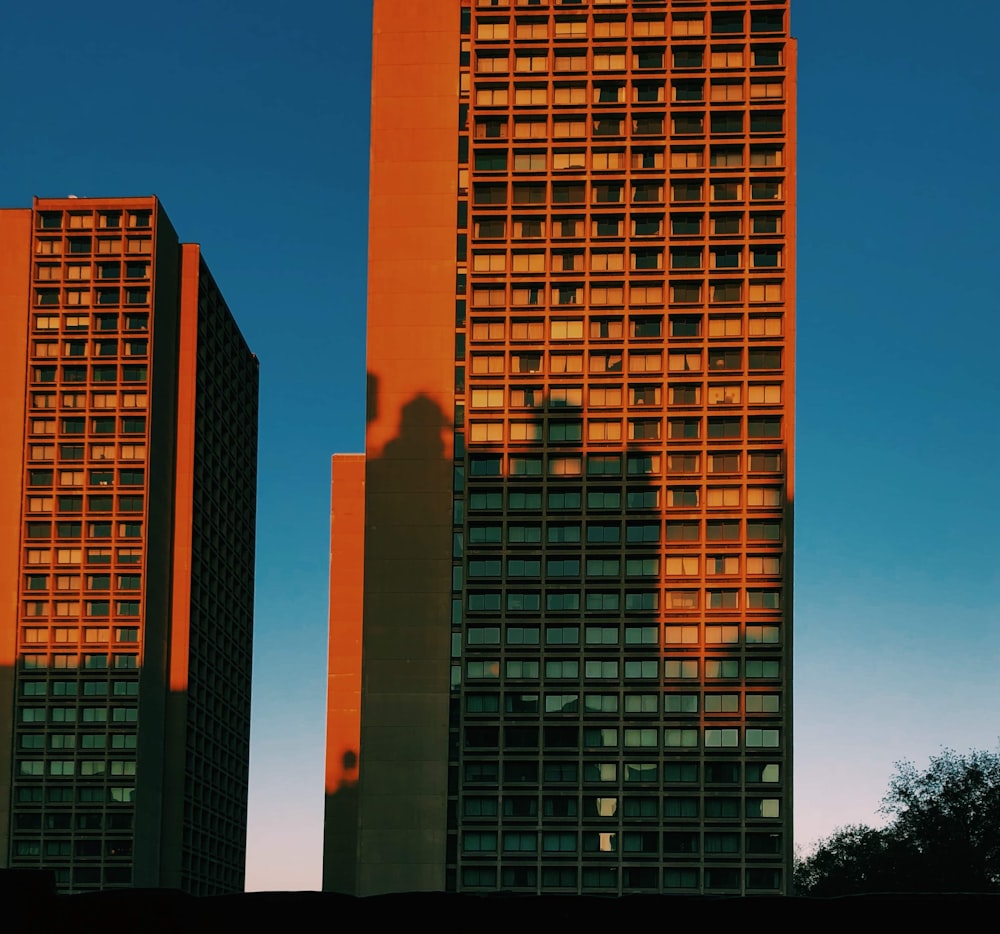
x=128 y=455
x=561 y=661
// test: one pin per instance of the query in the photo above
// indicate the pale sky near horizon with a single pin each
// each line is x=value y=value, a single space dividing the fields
x=249 y=120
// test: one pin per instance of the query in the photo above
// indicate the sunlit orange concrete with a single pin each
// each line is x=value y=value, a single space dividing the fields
x=343 y=694
x=15 y=252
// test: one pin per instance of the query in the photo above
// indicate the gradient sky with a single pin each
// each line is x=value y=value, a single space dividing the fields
x=249 y=119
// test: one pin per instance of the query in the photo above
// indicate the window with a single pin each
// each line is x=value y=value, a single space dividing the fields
x=647 y=126
x=766 y=121
x=762 y=703
x=764 y=565
x=647 y=191
x=766 y=738
x=566 y=60
x=686 y=191
x=766 y=56
x=765 y=21
x=608 y=295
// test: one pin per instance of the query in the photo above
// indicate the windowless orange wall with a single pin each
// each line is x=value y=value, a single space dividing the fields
x=343 y=698
x=411 y=334
x=15 y=270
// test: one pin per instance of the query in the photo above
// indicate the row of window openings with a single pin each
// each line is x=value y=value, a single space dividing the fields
x=485 y=500
x=127 y=476
x=678 y=394
x=524 y=772
x=568 y=635
x=611 y=601
x=685 y=497
x=710 y=737
x=721 y=257
x=681 y=566
x=91 y=634
x=598 y=878
x=682 y=25
x=83 y=272
x=99 y=348
x=103 y=714
x=84 y=246
x=638 y=225
x=539 y=60
x=525 y=193
x=99 y=296
x=517 y=807
x=64 y=820
x=484 y=736
x=641 y=669
x=639 y=361
x=727 y=122
x=684 y=91
x=57 y=608
x=84 y=220
x=611 y=360
x=81 y=740
x=98 y=425
x=681 y=291
x=718 y=772
x=529 y=465
x=635 y=843
x=94 y=503
x=728 y=105
x=601 y=328
x=518 y=772
x=563 y=601
x=616 y=160
x=74 y=556
x=604 y=466
x=607 y=636
x=71 y=767
x=480 y=535
x=99 y=373
x=516 y=703
x=636 y=429
x=96 y=452
x=81 y=849
x=75 y=529
x=134 y=321
x=73 y=582
x=92 y=661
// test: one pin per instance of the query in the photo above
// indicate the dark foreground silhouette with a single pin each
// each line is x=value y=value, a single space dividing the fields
x=31 y=906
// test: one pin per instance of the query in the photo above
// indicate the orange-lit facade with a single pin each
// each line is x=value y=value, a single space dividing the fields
x=573 y=657
x=128 y=452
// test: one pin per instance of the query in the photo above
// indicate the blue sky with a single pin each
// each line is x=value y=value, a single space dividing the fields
x=249 y=120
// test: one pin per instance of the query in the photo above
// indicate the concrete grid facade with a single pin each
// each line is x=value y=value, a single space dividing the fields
x=572 y=669
x=128 y=451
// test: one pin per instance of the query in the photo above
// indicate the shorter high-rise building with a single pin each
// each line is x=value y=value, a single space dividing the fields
x=128 y=453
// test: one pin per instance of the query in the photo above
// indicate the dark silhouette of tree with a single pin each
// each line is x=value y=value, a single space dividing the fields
x=854 y=860
x=950 y=813
x=944 y=834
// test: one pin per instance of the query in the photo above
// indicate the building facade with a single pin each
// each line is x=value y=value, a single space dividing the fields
x=128 y=453
x=565 y=665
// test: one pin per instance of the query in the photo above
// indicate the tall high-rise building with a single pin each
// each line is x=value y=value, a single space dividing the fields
x=564 y=663
x=128 y=457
